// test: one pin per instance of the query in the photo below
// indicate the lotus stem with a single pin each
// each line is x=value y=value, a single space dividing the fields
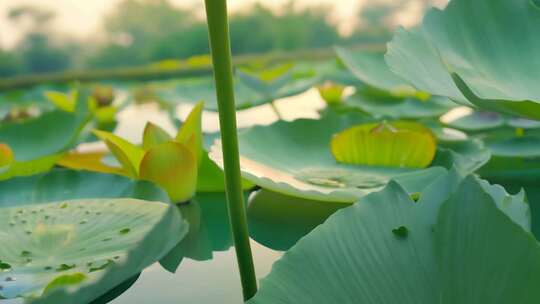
x=276 y=110
x=218 y=27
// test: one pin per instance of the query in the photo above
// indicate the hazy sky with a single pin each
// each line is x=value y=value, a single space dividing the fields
x=82 y=17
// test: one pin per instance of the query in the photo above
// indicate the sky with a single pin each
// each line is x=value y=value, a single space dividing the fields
x=81 y=18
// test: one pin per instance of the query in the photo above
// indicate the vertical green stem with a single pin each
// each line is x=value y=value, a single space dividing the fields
x=276 y=110
x=218 y=26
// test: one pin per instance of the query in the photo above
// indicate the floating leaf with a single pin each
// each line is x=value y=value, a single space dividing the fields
x=37 y=143
x=58 y=242
x=371 y=68
x=70 y=239
x=385 y=106
x=396 y=144
x=477 y=121
x=294 y=158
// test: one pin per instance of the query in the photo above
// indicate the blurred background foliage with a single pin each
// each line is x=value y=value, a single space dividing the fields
x=141 y=32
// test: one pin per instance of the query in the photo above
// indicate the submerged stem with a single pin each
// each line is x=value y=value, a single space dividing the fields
x=216 y=12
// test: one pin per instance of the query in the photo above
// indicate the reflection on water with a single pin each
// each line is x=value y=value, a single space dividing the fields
x=278 y=221
x=202 y=268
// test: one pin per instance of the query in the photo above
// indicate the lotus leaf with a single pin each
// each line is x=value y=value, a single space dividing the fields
x=294 y=158
x=455 y=54
x=388 y=95
x=389 y=249
x=65 y=228
x=37 y=143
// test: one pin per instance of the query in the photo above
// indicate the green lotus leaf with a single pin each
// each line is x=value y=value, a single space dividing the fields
x=195 y=90
x=516 y=122
x=515 y=158
x=334 y=71
x=385 y=106
x=466 y=155
x=488 y=72
x=478 y=121
x=174 y=167
x=294 y=158
x=48 y=134
x=61 y=184
x=154 y=135
x=371 y=68
x=411 y=56
x=57 y=230
x=37 y=143
x=29 y=98
x=401 y=144
x=389 y=249
x=284 y=86
x=264 y=84
x=526 y=146
x=278 y=221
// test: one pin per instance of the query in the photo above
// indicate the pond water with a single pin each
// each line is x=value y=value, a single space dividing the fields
x=208 y=270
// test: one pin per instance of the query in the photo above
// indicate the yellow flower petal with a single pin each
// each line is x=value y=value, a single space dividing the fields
x=173 y=166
